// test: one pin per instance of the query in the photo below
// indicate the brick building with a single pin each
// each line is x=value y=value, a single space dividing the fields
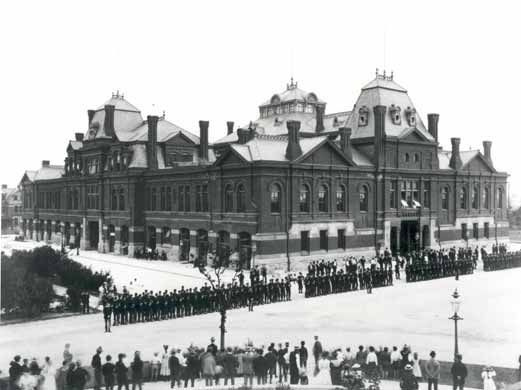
x=11 y=209
x=294 y=185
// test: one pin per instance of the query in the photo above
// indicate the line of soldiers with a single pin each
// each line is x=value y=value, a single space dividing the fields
x=129 y=308
x=436 y=264
x=505 y=260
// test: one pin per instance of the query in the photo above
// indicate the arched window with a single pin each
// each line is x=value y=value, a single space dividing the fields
x=228 y=199
x=407 y=157
x=341 y=198
x=445 y=198
x=364 y=198
x=275 y=198
x=463 y=198
x=323 y=198
x=304 y=198
x=121 y=199
x=486 y=198
x=153 y=201
x=500 y=198
x=475 y=197
x=241 y=199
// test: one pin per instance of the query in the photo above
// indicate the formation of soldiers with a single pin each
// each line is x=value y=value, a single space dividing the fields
x=504 y=260
x=436 y=264
x=327 y=277
x=126 y=308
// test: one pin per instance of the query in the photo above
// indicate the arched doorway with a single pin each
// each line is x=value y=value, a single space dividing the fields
x=184 y=244
x=245 y=250
x=426 y=237
x=202 y=246
x=124 y=239
x=152 y=237
x=112 y=237
x=223 y=246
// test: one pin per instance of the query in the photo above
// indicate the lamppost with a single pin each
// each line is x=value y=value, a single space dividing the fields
x=455 y=303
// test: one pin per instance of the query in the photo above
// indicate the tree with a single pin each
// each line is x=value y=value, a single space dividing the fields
x=214 y=274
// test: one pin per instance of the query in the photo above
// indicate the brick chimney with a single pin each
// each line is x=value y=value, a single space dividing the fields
x=78 y=136
x=320 y=118
x=345 y=141
x=90 y=113
x=487 y=145
x=244 y=135
x=455 y=158
x=108 y=124
x=379 y=135
x=433 y=125
x=203 y=140
x=45 y=163
x=229 y=127
x=152 y=141
x=293 y=150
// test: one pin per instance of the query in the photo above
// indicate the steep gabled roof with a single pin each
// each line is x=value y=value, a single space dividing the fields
x=49 y=172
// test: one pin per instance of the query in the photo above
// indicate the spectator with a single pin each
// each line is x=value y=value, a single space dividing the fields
x=137 y=371
x=361 y=356
x=61 y=376
x=408 y=381
x=155 y=367
x=208 y=366
x=165 y=368
x=385 y=362
x=303 y=354
x=192 y=368
x=80 y=377
x=15 y=372
x=121 y=372
x=247 y=366
x=519 y=371
x=67 y=354
x=259 y=367
x=371 y=362
x=416 y=369
x=34 y=368
x=488 y=375
x=317 y=351
x=230 y=364
x=396 y=362
x=96 y=365
x=271 y=364
x=350 y=357
x=432 y=370
x=175 y=367
x=459 y=373
x=108 y=370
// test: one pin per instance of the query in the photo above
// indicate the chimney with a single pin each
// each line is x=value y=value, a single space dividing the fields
x=345 y=141
x=433 y=125
x=455 y=158
x=203 y=140
x=45 y=163
x=379 y=135
x=487 y=145
x=320 y=118
x=152 y=141
x=293 y=149
x=78 y=136
x=244 y=135
x=108 y=124
x=229 y=126
x=90 y=113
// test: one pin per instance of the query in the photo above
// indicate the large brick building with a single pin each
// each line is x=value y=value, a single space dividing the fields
x=294 y=185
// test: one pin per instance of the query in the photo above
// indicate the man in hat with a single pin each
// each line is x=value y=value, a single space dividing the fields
x=303 y=355
x=432 y=369
x=212 y=348
x=317 y=351
x=293 y=366
x=96 y=365
x=459 y=373
x=408 y=381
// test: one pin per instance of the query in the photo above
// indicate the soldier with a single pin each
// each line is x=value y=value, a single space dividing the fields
x=107 y=311
x=300 y=282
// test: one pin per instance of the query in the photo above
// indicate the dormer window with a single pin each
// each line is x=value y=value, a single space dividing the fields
x=363 y=116
x=410 y=114
x=395 y=114
x=300 y=107
x=309 y=109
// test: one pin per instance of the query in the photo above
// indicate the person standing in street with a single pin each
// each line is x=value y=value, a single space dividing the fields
x=303 y=355
x=317 y=351
x=175 y=368
x=121 y=372
x=108 y=370
x=432 y=369
x=96 y=365
x=459 y=373
x=137 y=371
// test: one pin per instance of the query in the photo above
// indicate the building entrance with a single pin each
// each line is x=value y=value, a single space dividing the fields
x=409 y=236
x=93 y=234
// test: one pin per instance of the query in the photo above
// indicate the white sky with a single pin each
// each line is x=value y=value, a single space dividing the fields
x=218 y=60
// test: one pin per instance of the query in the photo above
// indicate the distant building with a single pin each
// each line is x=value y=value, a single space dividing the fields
x=11 y=209
x=297 y=184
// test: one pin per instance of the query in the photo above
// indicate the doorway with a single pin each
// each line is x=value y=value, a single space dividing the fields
x=409 y=236
x=93 y=234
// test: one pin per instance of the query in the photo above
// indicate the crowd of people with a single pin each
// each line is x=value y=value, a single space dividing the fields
x=501 y=260
x=126 y=308
x=262 y=364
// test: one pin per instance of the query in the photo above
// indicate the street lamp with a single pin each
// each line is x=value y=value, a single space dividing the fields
x=455 y=303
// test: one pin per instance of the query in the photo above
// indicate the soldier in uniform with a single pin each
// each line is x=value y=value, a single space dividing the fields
x=107 y=311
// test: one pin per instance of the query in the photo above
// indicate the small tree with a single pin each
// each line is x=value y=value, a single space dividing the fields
x=214 y=274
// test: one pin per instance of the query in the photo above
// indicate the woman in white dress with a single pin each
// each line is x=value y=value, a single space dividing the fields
x=416 y=369
x=323 y=376
x=164 y=370
x=488 y=375
x=48 y=373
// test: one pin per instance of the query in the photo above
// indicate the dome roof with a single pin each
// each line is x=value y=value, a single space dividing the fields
x=119 y=102
x=292 y=93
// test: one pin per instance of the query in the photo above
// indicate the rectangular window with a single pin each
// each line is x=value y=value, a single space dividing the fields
x=168 y=199
x=198 y=196
x=486 y=230
x=475 y=231
x=163 y=199
x=427 y=194
x=464 y=231
x=323 y=240
x=187 y=198
x=181 y=203
x=204 y=200
x=304 y=241
x=393 y=195
x=341 y=239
